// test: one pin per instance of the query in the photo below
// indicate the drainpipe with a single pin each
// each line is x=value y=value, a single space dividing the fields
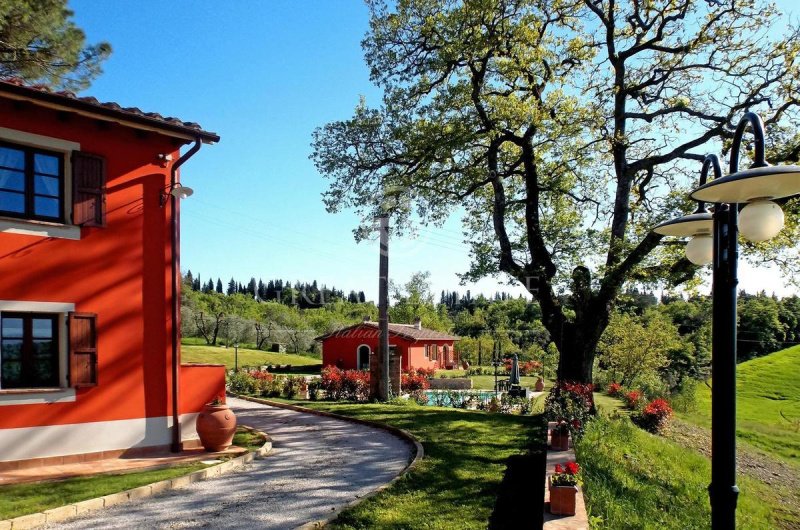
x=177 y=444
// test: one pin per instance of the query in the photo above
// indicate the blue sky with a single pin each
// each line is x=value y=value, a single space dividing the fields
x=263 y=75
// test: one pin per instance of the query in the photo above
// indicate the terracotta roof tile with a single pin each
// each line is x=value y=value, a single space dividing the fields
x=92 y=104
x=404 y=330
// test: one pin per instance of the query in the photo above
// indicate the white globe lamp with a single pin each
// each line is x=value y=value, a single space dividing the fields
x=700 y=249
x=760 y=220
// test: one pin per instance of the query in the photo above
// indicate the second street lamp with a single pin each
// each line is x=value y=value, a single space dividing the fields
x=761 y=220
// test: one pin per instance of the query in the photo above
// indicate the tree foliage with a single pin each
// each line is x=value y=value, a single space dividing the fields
x=632 y=346
x=564 y=130
x=40 y=44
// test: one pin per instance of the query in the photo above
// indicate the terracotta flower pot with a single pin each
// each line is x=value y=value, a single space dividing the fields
x=559 y=441
x=562 y=499
x=539 y=385
x=216 y=426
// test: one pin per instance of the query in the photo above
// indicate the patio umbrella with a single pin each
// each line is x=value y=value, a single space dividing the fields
x=514 y=379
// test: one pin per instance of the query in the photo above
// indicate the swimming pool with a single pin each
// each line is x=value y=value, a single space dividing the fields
x=460 y=398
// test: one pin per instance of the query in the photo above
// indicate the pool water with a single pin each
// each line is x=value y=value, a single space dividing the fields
x=444 y=398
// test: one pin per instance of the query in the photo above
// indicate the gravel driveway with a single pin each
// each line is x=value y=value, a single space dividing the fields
x=317 y=464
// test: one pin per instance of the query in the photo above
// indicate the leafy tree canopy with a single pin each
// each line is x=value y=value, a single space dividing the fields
x=562 y=131
x=40 y=44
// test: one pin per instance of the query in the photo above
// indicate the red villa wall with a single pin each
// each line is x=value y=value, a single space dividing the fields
x=341 y=350
x=121 y=272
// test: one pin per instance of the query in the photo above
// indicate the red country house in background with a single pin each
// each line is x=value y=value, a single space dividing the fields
x=89 y=344
x=349 y=348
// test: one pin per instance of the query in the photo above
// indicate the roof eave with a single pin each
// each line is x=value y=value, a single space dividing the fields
x=63 y=103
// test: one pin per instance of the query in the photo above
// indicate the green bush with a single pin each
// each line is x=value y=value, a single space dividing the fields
x=684 y=399
x=241 y=383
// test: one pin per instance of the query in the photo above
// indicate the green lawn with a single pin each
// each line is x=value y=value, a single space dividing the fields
x=766 y=387
x=635 y=480
x=23 y=499
x=196 y=353
x=456 y=485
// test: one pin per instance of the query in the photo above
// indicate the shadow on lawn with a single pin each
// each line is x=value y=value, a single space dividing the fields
x=523 y=486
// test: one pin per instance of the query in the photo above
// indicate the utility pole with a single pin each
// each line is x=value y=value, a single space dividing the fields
x=384 y=390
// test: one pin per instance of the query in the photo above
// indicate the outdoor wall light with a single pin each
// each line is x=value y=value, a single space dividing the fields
x=179 y=191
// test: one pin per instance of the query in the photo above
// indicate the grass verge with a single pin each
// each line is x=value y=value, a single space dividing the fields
x=635 y=480
x=23 y=499
x=456 y=484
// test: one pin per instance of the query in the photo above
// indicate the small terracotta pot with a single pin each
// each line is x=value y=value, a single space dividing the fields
x=562 y=499
x=558 y=441
x=216 y=426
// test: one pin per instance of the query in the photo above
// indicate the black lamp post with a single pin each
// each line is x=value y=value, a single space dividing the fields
x=497 y=352
x=761 y=220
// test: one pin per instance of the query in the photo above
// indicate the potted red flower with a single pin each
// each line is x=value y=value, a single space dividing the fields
x=563 y=485
x=559 y=436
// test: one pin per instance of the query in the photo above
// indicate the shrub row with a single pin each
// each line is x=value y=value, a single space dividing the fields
x=653 y=415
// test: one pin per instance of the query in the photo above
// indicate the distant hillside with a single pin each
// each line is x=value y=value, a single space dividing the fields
x=768 y=388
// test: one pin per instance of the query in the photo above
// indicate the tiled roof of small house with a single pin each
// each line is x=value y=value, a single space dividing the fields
x=408 y=331
x=17 y=89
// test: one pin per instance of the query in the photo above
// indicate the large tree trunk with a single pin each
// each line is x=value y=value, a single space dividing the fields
x=577 y=351
x=577 y=339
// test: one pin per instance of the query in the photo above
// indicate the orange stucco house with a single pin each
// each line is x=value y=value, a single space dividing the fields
x=89 y=345
x=350 y=348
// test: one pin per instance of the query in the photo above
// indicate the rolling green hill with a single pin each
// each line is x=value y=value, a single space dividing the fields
x=194 y=353
x=768 y=404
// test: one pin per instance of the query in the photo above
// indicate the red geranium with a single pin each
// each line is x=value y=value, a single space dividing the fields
x=566 y=475
x=655 y=415
x=633 y=399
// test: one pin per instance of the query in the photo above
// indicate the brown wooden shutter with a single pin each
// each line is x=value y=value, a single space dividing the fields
x=88 y=189
x=82 y=349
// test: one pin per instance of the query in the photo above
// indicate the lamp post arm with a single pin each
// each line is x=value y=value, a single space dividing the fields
x=754 y=120
x=710 y=161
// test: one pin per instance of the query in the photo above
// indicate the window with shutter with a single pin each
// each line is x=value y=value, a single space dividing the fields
x=88 y=189
x=82 y=349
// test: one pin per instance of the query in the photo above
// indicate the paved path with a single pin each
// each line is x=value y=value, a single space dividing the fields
x=317 y=464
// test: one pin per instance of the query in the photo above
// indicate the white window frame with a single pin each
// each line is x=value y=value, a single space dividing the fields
x=358 y=355
x=32 y=396
x=31 y=227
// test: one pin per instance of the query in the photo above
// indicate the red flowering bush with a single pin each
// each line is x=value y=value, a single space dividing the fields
x=655 y=416
x=351 y=385
x=572 y=403
x=614 y=389
x=262 y=375
x=633 y=399
x=566 y=475
x=355 y=385
x=414 y=380
x=525 y=368
x=425 y=372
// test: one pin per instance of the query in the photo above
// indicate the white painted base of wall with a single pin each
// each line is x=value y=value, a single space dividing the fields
x=78 y=438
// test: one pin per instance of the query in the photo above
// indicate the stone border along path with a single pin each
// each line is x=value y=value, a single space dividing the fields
x=318 y=465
